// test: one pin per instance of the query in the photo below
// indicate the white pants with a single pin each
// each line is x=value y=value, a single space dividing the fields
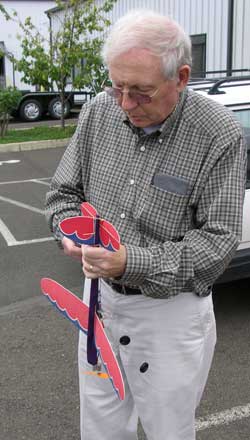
x=172 y=341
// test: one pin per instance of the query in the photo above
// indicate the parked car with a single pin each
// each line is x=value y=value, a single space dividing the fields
x=234 y=93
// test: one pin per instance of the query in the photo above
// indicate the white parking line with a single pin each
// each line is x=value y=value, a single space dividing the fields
x=35 y=240
x=223 y=417
x=22 y=205
x=39 y=179
x=7 y=235
x=5 y=232
x=11 y=161
x=42 y=182
x=11 y=241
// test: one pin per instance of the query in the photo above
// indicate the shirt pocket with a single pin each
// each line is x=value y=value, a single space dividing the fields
x=165 y=212
x=171 y=184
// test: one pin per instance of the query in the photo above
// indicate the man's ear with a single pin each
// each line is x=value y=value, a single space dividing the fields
x=183 y=77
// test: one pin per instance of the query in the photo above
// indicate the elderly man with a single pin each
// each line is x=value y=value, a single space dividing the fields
x=167 y=167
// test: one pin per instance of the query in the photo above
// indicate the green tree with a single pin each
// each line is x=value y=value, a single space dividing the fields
x=76 y=38
x=9 y=99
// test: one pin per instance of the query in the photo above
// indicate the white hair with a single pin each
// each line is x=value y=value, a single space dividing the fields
x=146 y=29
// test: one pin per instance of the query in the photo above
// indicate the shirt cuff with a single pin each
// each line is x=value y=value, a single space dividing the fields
x=139 y=264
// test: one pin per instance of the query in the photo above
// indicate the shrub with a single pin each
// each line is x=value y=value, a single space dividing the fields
x=9 y=99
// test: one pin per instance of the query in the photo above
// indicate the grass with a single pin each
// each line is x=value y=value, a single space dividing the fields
x=37 y=134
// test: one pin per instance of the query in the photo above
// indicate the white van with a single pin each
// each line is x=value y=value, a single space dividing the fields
x=234 y=93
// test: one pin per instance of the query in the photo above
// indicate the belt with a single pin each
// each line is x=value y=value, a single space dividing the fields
x=125 y=290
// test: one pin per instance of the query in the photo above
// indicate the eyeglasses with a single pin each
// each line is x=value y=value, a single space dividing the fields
x=139 y=98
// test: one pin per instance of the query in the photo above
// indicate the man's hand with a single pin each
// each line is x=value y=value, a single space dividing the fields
x=72 y=249
x=98 y=262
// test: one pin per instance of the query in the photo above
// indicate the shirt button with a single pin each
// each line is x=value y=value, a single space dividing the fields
x=144 y=367
x=142 y=148
x=132 y=181
x=160 y=141
x=125 y=340
x=123 y=215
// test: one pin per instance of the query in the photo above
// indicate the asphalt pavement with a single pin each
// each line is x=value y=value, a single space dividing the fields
x=38 y=369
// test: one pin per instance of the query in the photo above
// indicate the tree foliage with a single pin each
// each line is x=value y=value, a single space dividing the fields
x=9 y=99
x=74 y=43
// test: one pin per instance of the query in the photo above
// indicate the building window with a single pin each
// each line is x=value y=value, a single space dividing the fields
x=198 y=55
x=2 y=65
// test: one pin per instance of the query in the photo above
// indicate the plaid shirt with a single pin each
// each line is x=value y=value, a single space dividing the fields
x=175 y=195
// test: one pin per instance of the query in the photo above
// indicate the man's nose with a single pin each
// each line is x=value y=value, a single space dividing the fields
x=128 y=103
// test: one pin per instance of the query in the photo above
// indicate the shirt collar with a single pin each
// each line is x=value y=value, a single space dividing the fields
x=152 y=128
x=171 y=119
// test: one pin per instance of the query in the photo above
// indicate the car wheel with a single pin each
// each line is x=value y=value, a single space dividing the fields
x=55 y=108
x=31 y=110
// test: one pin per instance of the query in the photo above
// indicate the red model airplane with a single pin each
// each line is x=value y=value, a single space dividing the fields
x=92 y=230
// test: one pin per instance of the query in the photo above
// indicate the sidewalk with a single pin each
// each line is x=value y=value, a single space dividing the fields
x=33 y=145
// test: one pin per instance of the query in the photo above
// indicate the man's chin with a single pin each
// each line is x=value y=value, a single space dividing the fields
x=139 y=122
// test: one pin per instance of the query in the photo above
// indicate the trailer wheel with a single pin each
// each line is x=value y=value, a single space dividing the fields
x=31 y=110
x=55 y=108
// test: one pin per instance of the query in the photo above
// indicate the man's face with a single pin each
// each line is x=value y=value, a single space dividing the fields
x=140 y=72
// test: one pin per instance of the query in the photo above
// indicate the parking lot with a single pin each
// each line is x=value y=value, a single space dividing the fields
x=38 y=368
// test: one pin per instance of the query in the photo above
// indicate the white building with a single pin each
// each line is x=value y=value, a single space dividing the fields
x=8 y=35
x=219 y=29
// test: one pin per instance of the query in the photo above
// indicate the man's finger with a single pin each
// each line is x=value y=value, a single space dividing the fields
x=71 y=249
x=90 y=273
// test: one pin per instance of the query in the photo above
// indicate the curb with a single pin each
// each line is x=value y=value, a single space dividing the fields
x=37 y=145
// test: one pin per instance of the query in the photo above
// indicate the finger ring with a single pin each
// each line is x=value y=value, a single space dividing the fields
x=90 y=267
